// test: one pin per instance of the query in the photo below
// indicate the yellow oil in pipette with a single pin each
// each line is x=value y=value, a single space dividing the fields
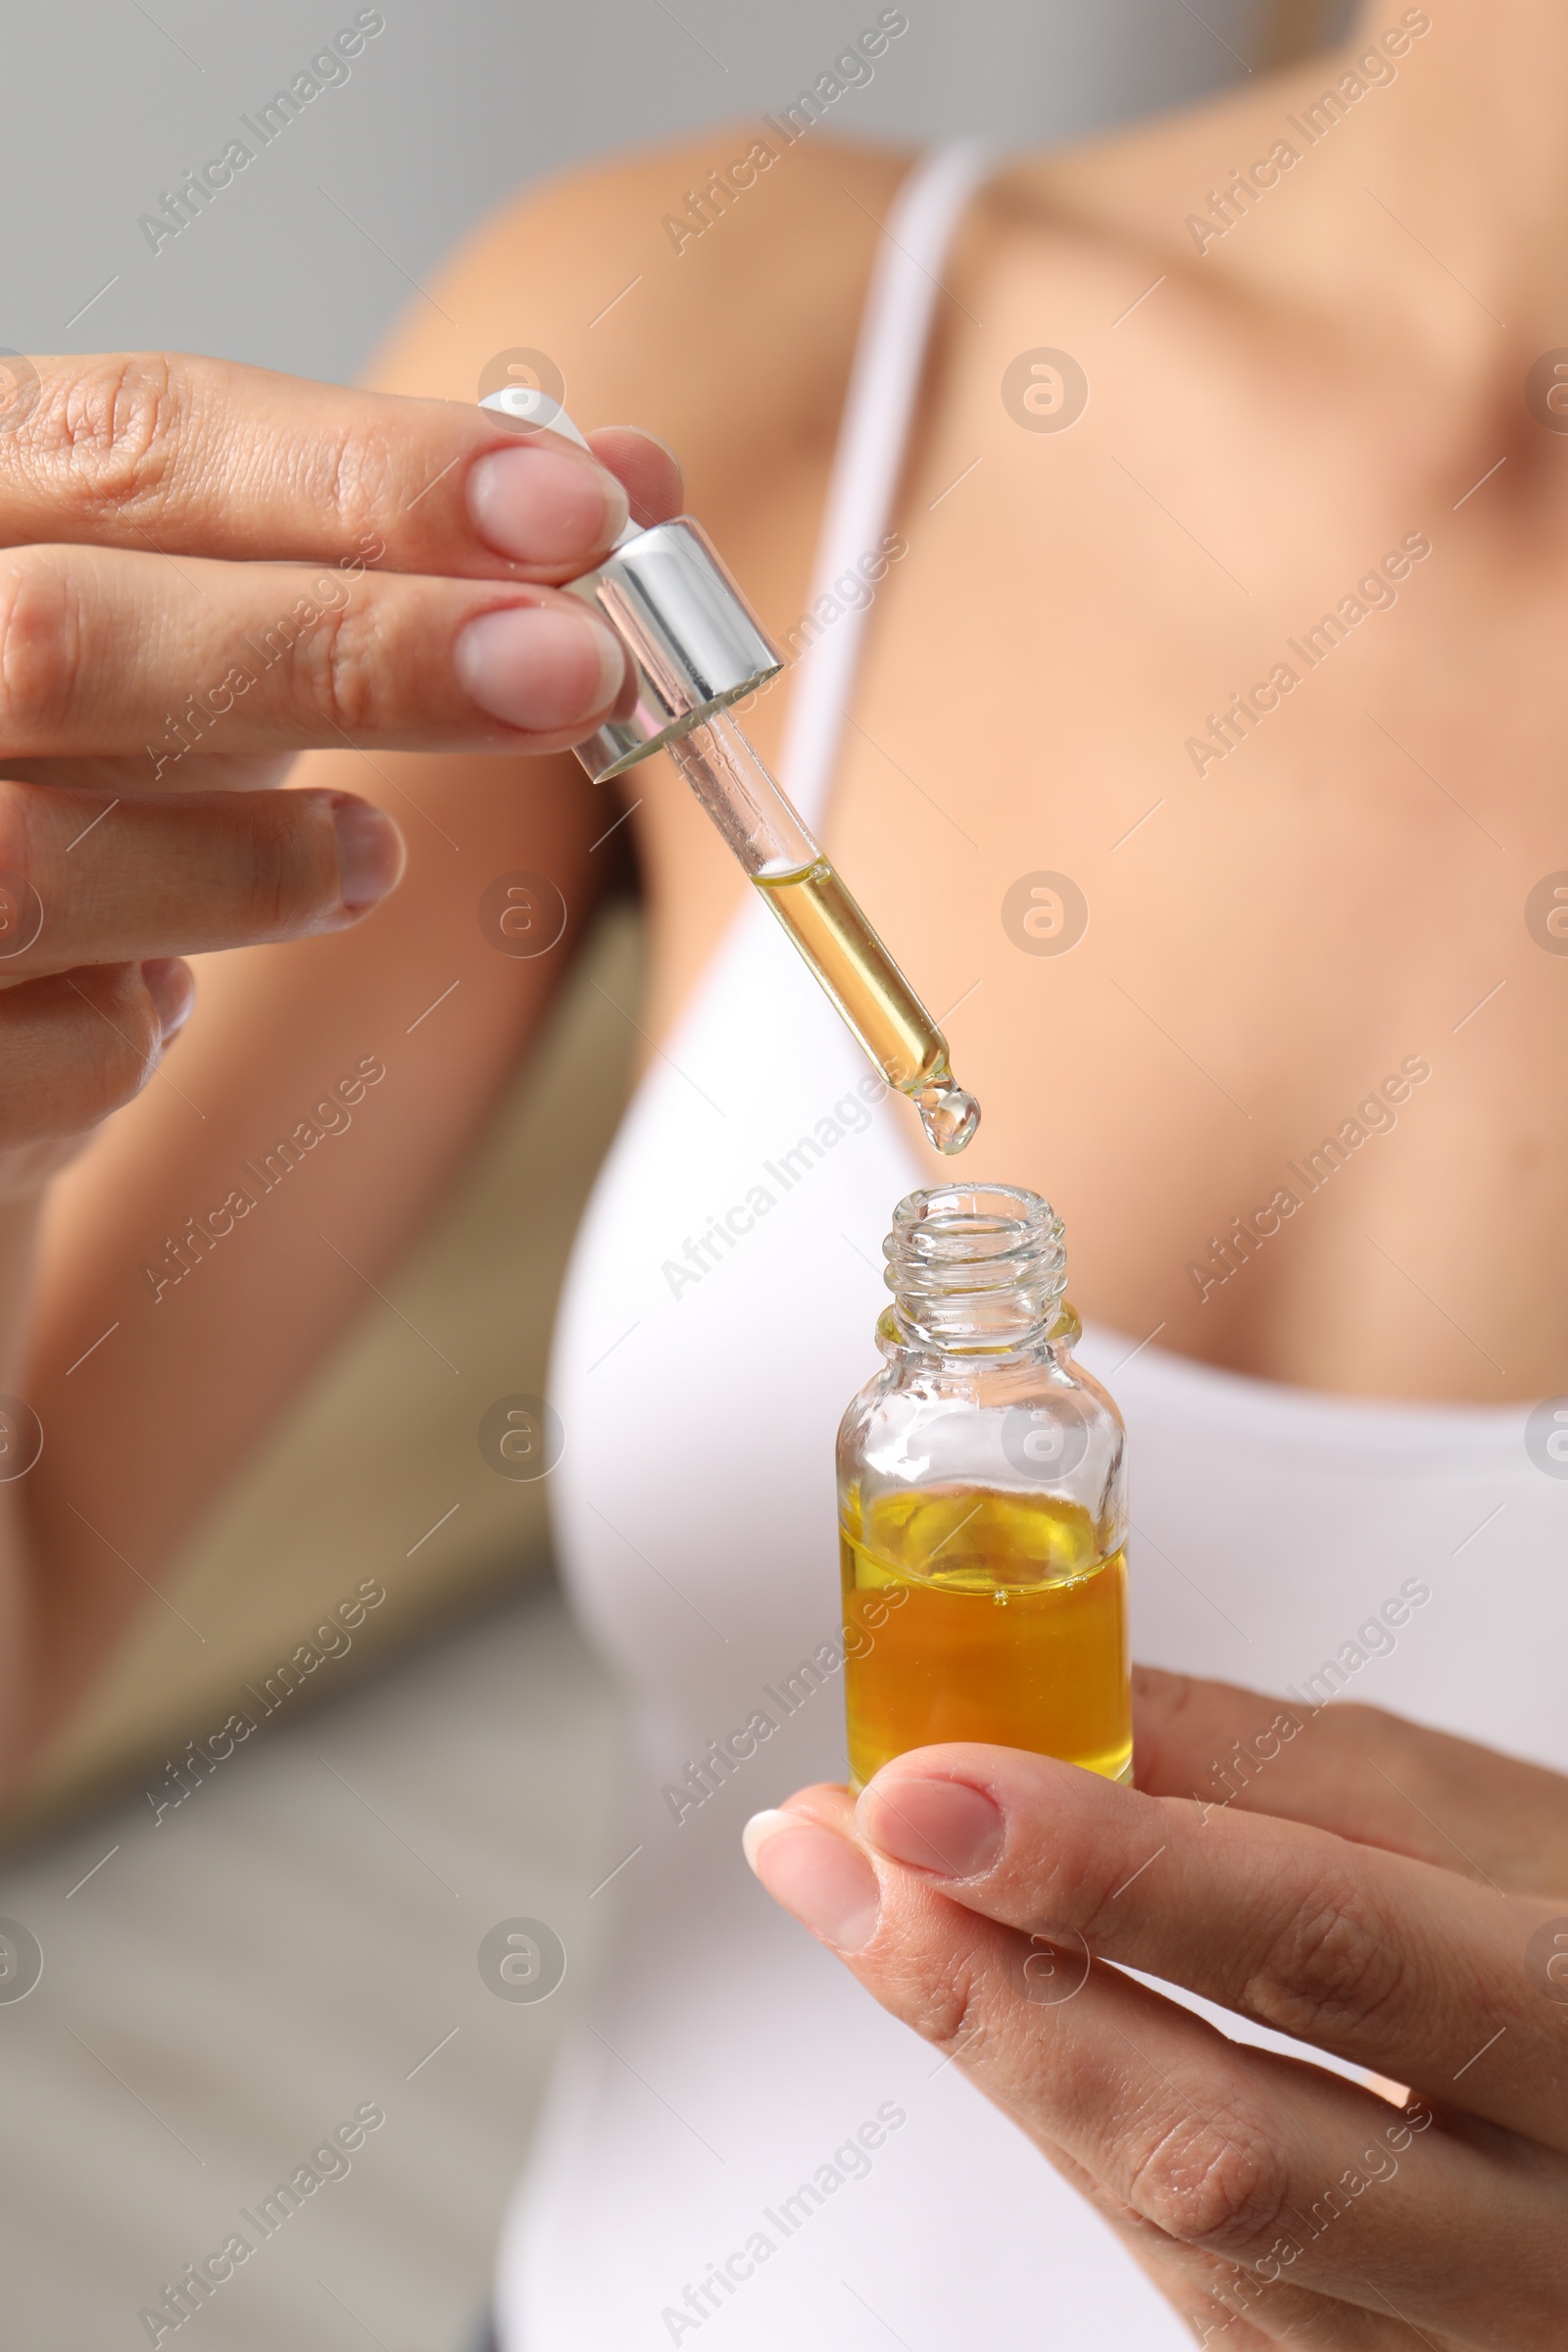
x=771 y=841
x=874 y=998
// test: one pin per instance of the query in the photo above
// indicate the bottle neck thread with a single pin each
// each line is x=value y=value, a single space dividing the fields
x=975 y=1269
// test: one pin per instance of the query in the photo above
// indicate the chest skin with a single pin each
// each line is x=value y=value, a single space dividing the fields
x=1288 y=911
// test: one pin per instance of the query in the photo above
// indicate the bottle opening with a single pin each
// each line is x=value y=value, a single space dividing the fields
x=976 y=1267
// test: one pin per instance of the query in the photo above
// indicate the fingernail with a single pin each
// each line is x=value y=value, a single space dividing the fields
x=827 y=1884
x=542 y=507
x=171 y=986
x=944 y=1827
x=370 y=852
x=539 y=668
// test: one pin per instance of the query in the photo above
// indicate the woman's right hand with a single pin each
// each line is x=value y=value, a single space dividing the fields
x=209 y=568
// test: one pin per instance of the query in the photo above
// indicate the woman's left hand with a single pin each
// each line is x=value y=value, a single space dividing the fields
x=1384 y=1892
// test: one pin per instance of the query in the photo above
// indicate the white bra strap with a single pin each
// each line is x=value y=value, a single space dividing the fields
x=884 y=385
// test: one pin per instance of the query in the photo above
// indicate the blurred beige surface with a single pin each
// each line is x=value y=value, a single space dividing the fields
x=220 y=1990
x=376 y=1472
x=229 y=1976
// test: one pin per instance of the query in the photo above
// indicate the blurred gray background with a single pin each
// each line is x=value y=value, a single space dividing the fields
x=303 y=261
x=224 y=1984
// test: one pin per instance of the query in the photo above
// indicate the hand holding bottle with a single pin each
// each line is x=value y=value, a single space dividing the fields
x=978 y=1892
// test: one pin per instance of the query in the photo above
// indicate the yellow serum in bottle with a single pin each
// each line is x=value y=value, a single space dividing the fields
x=982 y=1501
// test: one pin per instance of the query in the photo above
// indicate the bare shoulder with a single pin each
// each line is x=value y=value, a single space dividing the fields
x=707 y=291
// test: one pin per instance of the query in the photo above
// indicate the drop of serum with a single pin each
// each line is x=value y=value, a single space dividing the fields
x=948 y=1116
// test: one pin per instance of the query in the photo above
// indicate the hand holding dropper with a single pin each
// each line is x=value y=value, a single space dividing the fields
x=693 y=648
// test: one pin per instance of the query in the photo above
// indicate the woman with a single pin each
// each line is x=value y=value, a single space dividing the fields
x=1229 y=398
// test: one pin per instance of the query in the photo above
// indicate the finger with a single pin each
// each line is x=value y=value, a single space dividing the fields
x=76 y=1047
x=1389 y=1963
x=106 y=651
x=1253 y=2159
x=119 y=773
x=1358 y=1771
x=155 y=450
x=647 y=469
x=1233 y=2309
x=85 y=882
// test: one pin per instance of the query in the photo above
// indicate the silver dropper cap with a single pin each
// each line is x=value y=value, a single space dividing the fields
x=691 y=641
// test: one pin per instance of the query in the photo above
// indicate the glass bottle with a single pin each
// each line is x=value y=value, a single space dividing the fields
x=982 y=1500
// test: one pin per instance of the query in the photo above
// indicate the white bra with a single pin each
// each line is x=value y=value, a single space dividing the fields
x=716 y=1318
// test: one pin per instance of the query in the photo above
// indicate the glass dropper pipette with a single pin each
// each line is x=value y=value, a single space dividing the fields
x=693 y=648
x=802 y=888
